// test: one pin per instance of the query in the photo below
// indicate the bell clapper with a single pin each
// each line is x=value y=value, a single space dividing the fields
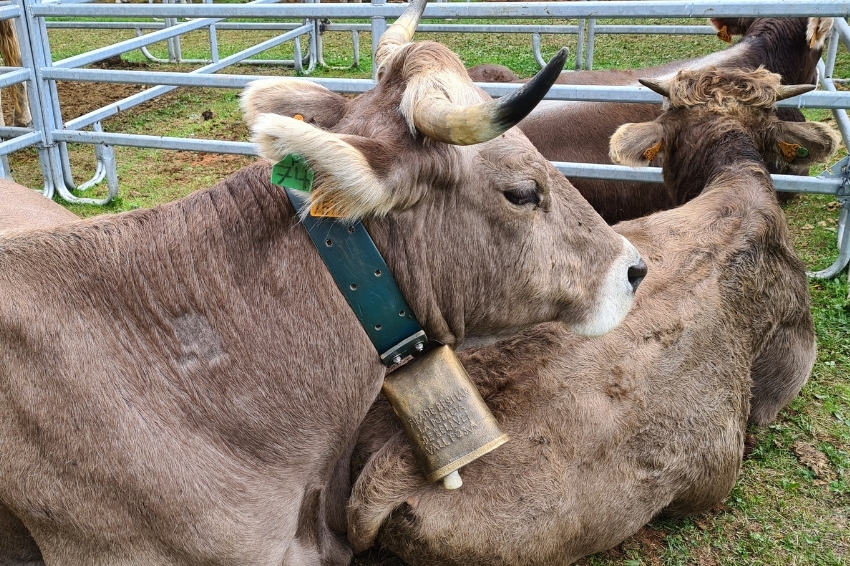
x=452 y=481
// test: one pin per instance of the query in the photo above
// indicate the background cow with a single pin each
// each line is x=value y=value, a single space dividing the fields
x=21 y=207
x=184 y=384
x=611 y=431
x=580 y=131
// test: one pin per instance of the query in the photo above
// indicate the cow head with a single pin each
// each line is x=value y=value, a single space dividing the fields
x=709 y=106
x=482 y=232
x=791 y=47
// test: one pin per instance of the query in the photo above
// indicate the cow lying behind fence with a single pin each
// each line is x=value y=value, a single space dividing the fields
x=609 y=432
x=183 y=385
x=580 y=131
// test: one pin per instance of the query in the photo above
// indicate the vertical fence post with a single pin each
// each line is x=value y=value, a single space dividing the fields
x=379 y=26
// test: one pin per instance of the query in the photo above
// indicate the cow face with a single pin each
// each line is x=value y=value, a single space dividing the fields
x=711 y=104
x=458 y=202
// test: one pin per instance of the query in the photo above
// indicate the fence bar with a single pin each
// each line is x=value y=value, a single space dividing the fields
x=136 y=99
x=477 y=10
x=9 y=78
x=783 y=183
x=157 y=142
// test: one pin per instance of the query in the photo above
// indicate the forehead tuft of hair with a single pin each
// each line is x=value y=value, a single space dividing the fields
x=711 y=85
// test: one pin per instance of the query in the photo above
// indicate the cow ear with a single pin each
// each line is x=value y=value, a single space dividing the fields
x=636 y=145
x=295 y=98
x=728 y=27
x=817 y=32
x=804 y=143
x=346 y=185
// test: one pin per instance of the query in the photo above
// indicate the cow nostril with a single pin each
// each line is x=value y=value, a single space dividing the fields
x=636 y=274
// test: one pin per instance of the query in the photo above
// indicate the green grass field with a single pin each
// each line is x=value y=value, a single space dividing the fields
x=792 y=502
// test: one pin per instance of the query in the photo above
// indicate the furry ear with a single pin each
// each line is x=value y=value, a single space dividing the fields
x=346 y=184
x=636 y=145
x=817 y=31
x=293 y=97
x=805 y=143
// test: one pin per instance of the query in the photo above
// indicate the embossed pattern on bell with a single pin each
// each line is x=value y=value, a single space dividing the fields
x=444 y=416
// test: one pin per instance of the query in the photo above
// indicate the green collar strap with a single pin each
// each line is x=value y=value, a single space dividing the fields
x=359 y=270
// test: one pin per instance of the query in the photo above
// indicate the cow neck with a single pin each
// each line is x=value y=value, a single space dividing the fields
x=358 y=269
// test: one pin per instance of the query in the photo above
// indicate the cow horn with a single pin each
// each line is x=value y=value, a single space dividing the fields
x=787 y=91
x=440 y=120
x=656 y=86
x=401 y=31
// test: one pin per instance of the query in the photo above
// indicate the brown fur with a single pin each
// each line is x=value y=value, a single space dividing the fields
x=649 y=419
x=183 y=385
x=488 y=73
x=23 y=208
x=579 y=132
x=11 y=52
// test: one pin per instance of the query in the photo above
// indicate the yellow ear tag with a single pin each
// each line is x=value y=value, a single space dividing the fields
x=324 y=210
x=791 y=151
x=299 y=117
x=650 y=153
x=723 y=35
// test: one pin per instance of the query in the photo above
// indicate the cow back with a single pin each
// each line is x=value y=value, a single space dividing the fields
x=22 y=208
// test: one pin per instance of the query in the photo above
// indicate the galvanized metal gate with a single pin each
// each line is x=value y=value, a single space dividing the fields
x=50 y=136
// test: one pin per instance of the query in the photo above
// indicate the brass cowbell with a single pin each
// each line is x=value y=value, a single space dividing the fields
x=444 y=416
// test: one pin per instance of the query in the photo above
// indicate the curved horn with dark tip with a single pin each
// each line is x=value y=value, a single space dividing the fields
x=788 y=91
x=443 y=121
x=401 y=31
x=656 y=86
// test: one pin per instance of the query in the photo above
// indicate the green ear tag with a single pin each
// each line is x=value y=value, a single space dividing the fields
x=292 y=172
x=802 y=152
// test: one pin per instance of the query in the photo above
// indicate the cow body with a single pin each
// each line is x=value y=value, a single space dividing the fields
x=580 y=131
x=24 y=208
x=183 y=385
x=650 y=419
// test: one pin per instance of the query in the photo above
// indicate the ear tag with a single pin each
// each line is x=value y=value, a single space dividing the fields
x=723 y=35
x=298 y=117
x=650 y=153
x=791 y=151
x=324 y=210
x=294 y=173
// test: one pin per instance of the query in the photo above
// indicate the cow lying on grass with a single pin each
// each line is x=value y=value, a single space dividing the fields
x=183 y=385
x=608 y=432
x=580 y=131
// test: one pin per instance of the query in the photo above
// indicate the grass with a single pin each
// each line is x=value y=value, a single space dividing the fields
x=792 y=500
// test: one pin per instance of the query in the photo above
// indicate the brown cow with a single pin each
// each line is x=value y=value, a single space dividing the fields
x=183 y=385
x=608 y=432
x=23 y=208
x=580 y=131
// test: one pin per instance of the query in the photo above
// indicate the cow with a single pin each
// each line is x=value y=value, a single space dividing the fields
x=183 y=384
x=580 y=131
x=23 y=208
x=608 y=432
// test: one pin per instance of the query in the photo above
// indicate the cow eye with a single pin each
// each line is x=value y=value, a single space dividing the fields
x=524 y=196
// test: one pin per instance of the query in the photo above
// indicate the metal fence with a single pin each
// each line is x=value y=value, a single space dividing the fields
x=50 y=136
